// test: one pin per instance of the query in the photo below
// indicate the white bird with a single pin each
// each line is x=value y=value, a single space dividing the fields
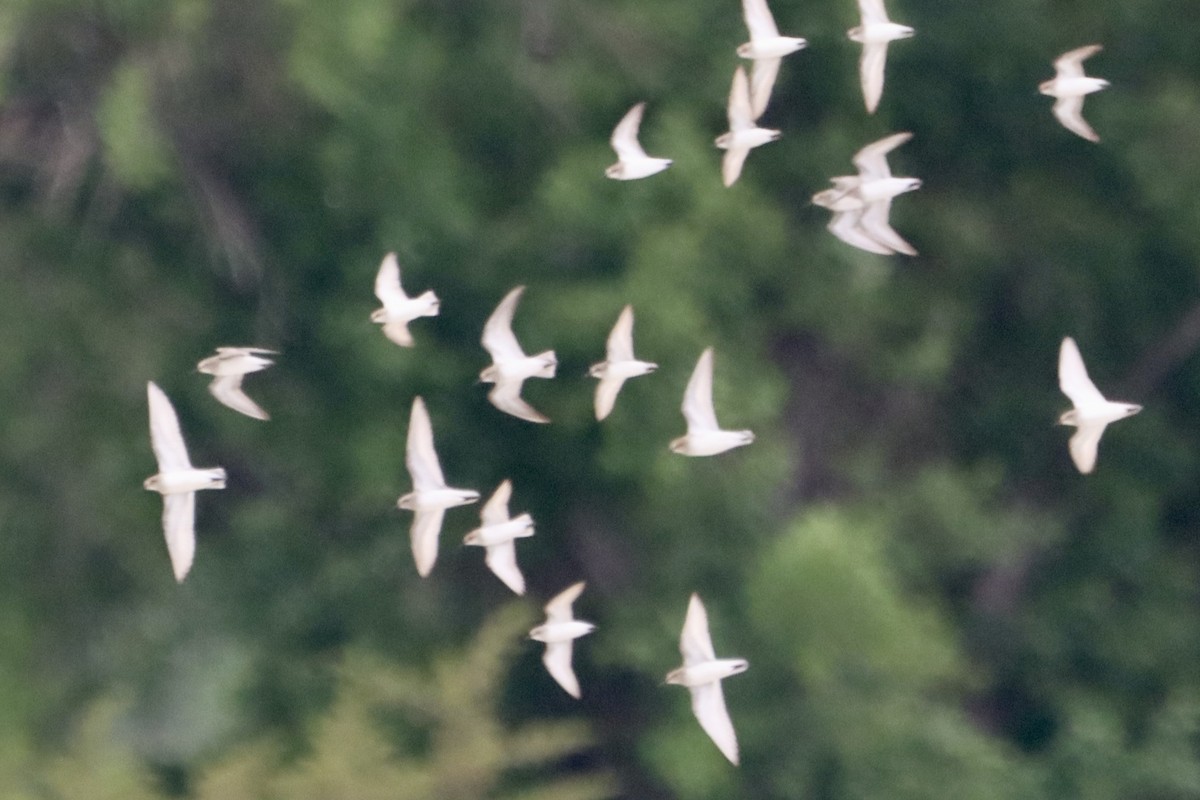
x=702 y=672
x=398 y=308
x=704 y=436
x=876 y=188
x=1069 y=85
x=510 y=366
x=558 y=631
x=1092 y=413
x=767 y=48
x=874 y=34
x=632 y=161
x=228 y=367
x=743 y=134
x=177 y=481
x=619 y=364
x=498 y=534
x=430 y=496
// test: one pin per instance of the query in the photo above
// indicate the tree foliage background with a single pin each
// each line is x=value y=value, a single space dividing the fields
x=934 y=603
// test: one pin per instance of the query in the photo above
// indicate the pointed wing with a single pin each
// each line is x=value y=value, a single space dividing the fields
x=697 y=398
x=762 y=80
x=228 y=391
x=1084 y=444
x=695 y=644
x=179 y=514
x=506 y=396
x=708 y=704
x=759 y=20
x=502 y=560
x=420 y=458
x=606 y=396
x=165 y=437
x=732 y=163
x=495 y=511
x=1074 y=381
x=559 y=608
x=872 y=12
x=498 y=337
x=1069 y=111
x=387 y=282
x=620 y=340
x=397 y=332
x=426 y=528
x=872 y=160
x=246 y=351
x=1070 y=64
x=845 y=225
x=557 y=659
x=740 y=111
x=875 y=225
x=870 y=72
x=625 y=136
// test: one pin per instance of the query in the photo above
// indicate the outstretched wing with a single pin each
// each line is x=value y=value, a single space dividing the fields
x=1085 y=444
x=498 y=337
x=179 y=514
x=421 y=458
x=495 y=511
x=697 y=398
x=506 y=396
x=557 y=659
x=559 y=607
x=228 y=391
x=708 y=704
x=165 y=437
x=1074 y=381
x=695 y=644
x=759 y=20
x=872 y=160
x=1070 y=63
x=502 y=560
x=625 y=136
x=1069 y=112
x=387 y=282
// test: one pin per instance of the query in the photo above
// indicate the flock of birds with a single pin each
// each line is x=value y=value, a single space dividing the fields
x=860 y=206
x=860 y=203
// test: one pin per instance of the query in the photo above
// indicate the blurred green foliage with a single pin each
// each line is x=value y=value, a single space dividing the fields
x=933 y=602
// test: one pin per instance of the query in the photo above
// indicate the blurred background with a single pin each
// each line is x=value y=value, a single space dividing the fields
x=934 y=603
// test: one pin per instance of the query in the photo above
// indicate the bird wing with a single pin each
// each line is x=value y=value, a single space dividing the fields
x=740 y=111
x=502 y=560
x=498 y=337
x=872 y=12
x=165 y=437
x=872 y=160
x=708 y=704
x=762 y=80
x=1069 y=111
x=697 y=397
x=606 y=396
x=506 y=396
x=426 y=527
x=1084 y=444
x=731 y=164
x=1070 y=64
x=875 y=224
x=1074 y=381
x=759 y=20
x=387 y=282
x=695 y=644
x=625 y=136
x=557 y=659
x=420 y=457
x=179 y=514
x=495 y=511
x=845 y=225
x=559 y=607
x=620 y=340
x=397 y=331
x=228 y=391
x=870 y=72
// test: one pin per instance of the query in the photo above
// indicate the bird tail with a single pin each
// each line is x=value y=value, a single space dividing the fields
x=551 y=364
